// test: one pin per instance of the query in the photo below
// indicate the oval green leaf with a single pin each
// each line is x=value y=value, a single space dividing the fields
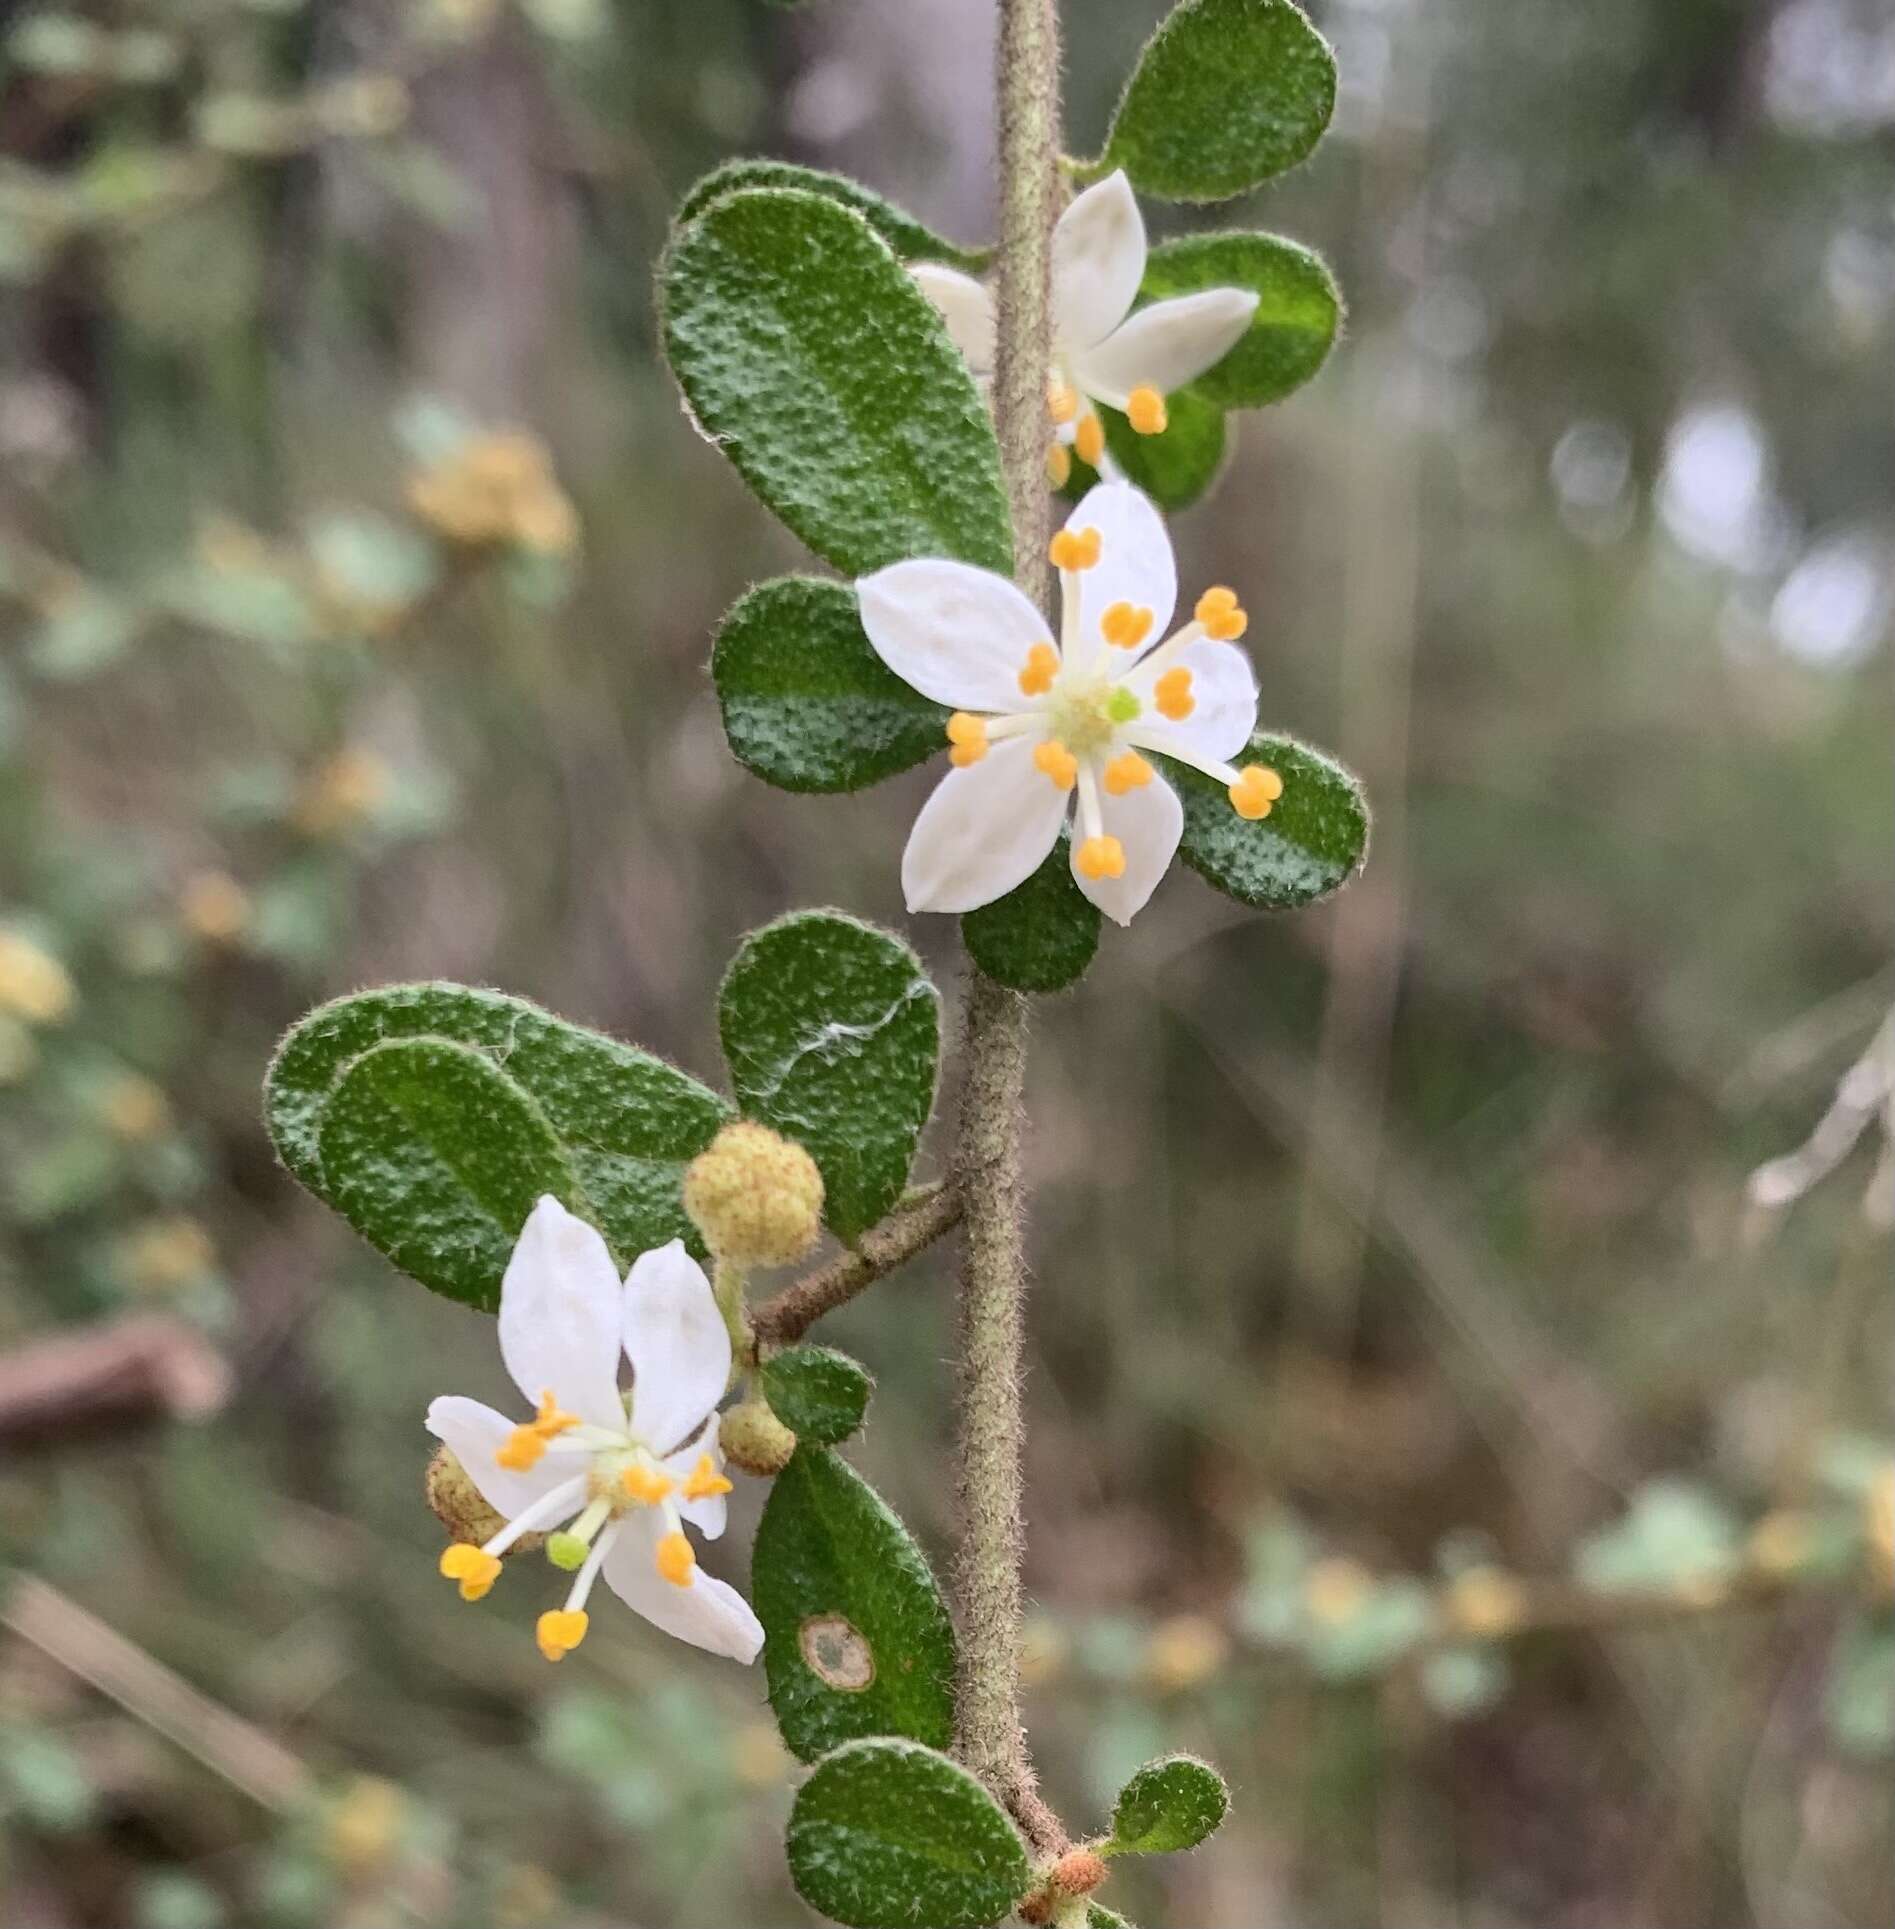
x=1314 y=840
x=857 y=1640
x=627 y=1123
x=1299 y=309
x=807 y=703
x=833 y=1033
x=818 y=1393
x=436 y=1157
x=907 y=236
x=807 y=352
x=887 y=1834
x=1168 y=1805
x=1226 y=94
x=1042 y=935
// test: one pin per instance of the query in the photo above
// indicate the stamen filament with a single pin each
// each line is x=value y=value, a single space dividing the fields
x=555 y=1504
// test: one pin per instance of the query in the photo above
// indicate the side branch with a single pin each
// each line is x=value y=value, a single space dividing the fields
x=791 y=1313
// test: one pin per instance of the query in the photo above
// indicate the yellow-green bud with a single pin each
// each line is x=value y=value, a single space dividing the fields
x=754 y=1439
x=461 y=1508
x=755 y=1197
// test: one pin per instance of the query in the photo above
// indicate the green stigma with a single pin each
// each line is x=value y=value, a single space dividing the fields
x=565 y=1550
x=1121 y=706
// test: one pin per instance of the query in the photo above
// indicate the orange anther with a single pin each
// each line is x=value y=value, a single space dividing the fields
x=1172 y=694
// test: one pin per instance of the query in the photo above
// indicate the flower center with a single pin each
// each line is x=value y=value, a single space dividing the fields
x=1087 y=710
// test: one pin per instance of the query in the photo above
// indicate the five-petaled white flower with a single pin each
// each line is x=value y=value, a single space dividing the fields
x=1036 y=723
x=1103 y=353
x=617 y=1473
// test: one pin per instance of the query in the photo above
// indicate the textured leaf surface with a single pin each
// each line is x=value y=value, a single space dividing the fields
x=889 y=1835
x=436 y=1157
x=1039 y=937
x=1168 y=1805
x=1175 y=468
x=1299 y=309
x=818 y=1393
x=807 y=703
x=856 y=1639
x=1314 y=839
x=1226 y=94
x=627 y=1123
x=907 y=236
x=833 y=1034
x=808 y=353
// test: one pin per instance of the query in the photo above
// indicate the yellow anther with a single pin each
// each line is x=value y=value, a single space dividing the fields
x=1074 y=549
x=646 y=1486
x=1172 y=694
x=1256 y=789
x=1057 y=762
x=1222 y=615
x=476 y=1571
x=1062 y=402
x=550 y=1420
x=1127 y=772
x=1145 y=410
x=523 y=1448
x=675 y=1560
x=705 y=1482
x=1059 y=465
x=1101 y=857
x=1124 y=626
x=1089 y=439
x=560 y=1630
x=968 y=735
x=1042 y=665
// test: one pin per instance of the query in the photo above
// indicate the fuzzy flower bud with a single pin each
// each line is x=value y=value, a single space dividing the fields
x=460 y=1507
x=755 y=1197
x=754 y=1439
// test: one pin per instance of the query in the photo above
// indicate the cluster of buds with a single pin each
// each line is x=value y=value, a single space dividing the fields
x=495 y=489
x=1060 y=1895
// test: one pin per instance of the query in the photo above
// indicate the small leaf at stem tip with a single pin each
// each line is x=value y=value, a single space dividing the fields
x=1226 y=94
x=819 y=1394
x=1168 y=1805
x=833 y=1035
x=810 y=357
x=909 y=238
x=1042 y=935
x=887 y=1834
x=857 y=1639
x=807 y=704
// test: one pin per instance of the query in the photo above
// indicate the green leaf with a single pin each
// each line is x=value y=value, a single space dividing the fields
x=818 y=1393
x=627 y=1123
x=806 y=350
x=1226 y=94
x=1674 y=1533
x=1461 y=1682
x=807 y=703
x=1042 y=934
x=856 y=1638
x=1859 y=1695
x=436 y=1157
x=1299 y=309
x=1174 y=468
x=1313 y=840
x=1168 y=1805
x=907 y=236
x=889 y=1835
x=833 y=1032
x=1384 y=1625
x=1098 y=1916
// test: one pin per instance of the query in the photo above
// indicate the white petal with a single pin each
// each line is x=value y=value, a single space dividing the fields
x=559 y=1316
x=1148 y=822
x=708 y=1613
x=708 y=1514
x=958 y=634
x=474 y=1434
x=677 y=1343
x=1224 y=695
x=986 y=828
x=966 y=307
x=1166 y=345
x=1098 y=262
x=1135 y=564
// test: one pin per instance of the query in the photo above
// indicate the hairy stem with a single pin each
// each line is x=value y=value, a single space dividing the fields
x=988 y=1593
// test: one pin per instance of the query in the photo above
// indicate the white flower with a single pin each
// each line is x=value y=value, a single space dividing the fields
x=1102 y=352
x=1038 y=724
x=617 y=1473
